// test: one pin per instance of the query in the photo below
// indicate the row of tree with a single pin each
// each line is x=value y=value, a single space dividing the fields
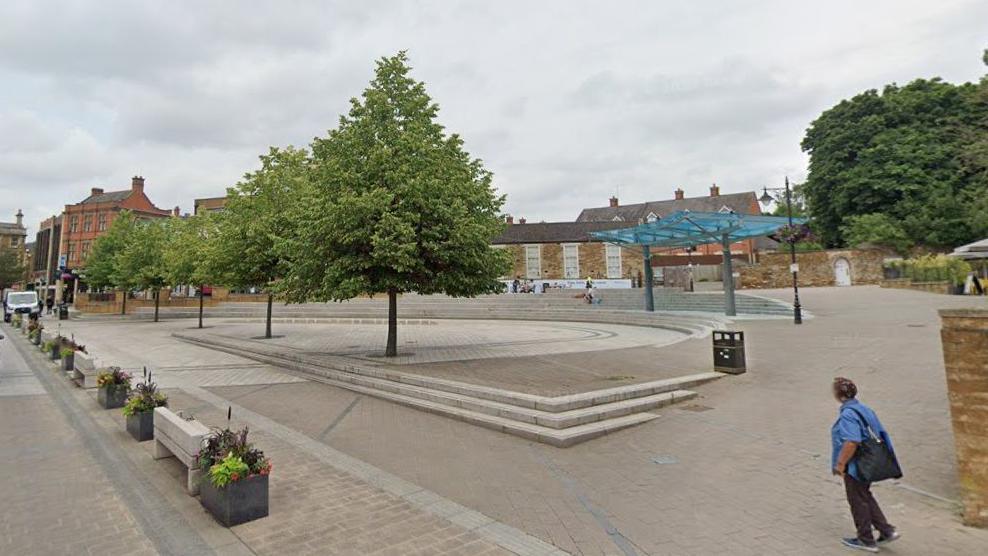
x=387 y=203
x=903 y=167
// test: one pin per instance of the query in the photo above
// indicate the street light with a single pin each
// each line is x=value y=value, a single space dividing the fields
x=765 y=199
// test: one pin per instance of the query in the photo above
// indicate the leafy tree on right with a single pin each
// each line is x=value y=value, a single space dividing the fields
x=394 y=205
x=917 y=154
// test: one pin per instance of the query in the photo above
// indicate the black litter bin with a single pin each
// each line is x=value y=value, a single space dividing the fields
x=729 y=352
x=63 y=311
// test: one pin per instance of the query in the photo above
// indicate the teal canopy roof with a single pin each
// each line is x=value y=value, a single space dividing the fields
x=685 y=228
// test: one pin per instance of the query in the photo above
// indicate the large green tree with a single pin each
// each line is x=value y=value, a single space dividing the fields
x=11 y=268
x=395 y=204
x=101 y=263
x=185 y=252
x=140 y=262
x=906 y=153
x=257 y=216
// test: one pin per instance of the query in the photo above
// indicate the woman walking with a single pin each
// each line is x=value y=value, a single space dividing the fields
x=850 y=430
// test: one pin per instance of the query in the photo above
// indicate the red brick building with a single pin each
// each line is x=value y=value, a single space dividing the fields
x=85 y=221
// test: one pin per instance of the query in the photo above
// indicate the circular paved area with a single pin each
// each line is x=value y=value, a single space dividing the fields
x=453 y=340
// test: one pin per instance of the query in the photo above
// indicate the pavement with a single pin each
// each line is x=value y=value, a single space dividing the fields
x=744 y=469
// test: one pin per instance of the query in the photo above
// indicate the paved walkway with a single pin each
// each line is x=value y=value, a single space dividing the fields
x=77 y=472
x=741 y=470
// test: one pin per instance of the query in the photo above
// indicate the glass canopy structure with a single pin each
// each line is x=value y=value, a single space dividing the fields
x=686 y=229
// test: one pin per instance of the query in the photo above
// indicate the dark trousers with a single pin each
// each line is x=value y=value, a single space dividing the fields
x=865 y=510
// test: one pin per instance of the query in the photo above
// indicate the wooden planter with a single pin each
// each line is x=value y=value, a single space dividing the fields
x=111 y=397
x=141 y=425
x=238 y=502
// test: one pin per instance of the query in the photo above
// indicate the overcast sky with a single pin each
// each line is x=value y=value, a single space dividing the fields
x=566 y=102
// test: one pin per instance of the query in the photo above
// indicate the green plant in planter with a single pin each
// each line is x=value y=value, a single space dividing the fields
x=144 y=398
x=16 y=320
x=231 y=469
x=67 y=351
x=225 y=451
x=113 y=376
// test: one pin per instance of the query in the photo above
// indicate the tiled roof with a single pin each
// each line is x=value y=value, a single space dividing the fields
x=108 y=197
x=631 y=214
x=553 y=232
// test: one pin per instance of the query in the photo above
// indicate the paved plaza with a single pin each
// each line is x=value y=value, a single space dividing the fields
x=742 y=469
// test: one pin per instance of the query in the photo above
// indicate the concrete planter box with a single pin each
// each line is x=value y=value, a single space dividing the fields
x=238 y=502
x=141 y=425
x=111 y=397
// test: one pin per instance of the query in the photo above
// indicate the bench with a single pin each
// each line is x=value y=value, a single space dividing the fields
x=174 y=436
x=85 y=371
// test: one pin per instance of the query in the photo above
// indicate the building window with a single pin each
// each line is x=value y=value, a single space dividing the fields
x=651 y=217
x=71 y=251
x=87 y=223
x=571 y=261
x=533 y=261
x=85 y=249
x=13 y=241
x=725 y=209
x=613 y=261
x=101 y=226
x=74 y=224
x=617 y=219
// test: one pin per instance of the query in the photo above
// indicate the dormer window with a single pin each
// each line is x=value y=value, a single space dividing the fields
x=725 y=209
x=617 y=219
x=651 y=217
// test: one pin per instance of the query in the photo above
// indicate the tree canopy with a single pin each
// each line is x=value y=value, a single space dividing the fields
x=917 y=154
x=101 y=263
x=394 y=204
x=11 y=268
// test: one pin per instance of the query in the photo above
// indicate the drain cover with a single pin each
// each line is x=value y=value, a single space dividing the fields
x=665 y=460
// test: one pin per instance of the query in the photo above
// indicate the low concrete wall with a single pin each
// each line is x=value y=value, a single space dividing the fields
x=908 y=284
x=965 y=354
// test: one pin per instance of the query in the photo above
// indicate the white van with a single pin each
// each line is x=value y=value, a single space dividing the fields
x=25 y=302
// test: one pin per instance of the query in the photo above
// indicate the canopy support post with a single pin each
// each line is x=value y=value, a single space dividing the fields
x=730 y=308
x=649 y=281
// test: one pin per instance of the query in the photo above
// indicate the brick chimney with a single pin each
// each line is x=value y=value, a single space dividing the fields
x=176 y=212
x=522 y=220
x=96 y=191
x=714 y=190
x=614 y=202
x=20 y=218
x=509 y=219
x=679 y=193
x=137 y=184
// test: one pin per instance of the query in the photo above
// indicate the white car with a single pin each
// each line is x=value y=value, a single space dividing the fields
x=20 y=302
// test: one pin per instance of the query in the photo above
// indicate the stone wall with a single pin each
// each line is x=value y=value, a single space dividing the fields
x=816 y=268
x=965 y=354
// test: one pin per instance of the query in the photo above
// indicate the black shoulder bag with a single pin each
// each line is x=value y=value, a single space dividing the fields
x=875 y=459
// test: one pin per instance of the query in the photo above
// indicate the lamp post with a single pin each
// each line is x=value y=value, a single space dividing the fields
x=765 y=199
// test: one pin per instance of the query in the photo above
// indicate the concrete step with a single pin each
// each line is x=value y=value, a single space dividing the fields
x=560 y=421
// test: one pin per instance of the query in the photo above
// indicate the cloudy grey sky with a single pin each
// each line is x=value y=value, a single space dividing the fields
x=567 y=102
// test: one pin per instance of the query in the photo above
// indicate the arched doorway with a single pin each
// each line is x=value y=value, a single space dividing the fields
x=842 y=272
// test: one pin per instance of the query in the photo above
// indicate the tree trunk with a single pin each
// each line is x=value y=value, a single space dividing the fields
x=392 y=349
x=202 y=296
x=267 y=325
x=157 y=300
x=123 y=306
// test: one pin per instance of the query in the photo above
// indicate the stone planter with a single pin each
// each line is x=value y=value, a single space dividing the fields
x=238 y=502
x=111 y=397
x=141 y=425
x=68 y=362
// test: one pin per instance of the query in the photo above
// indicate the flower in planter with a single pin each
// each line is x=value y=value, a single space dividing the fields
x=113 y=376
x=230 y=457
x=72 y=345
x=144 y=398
